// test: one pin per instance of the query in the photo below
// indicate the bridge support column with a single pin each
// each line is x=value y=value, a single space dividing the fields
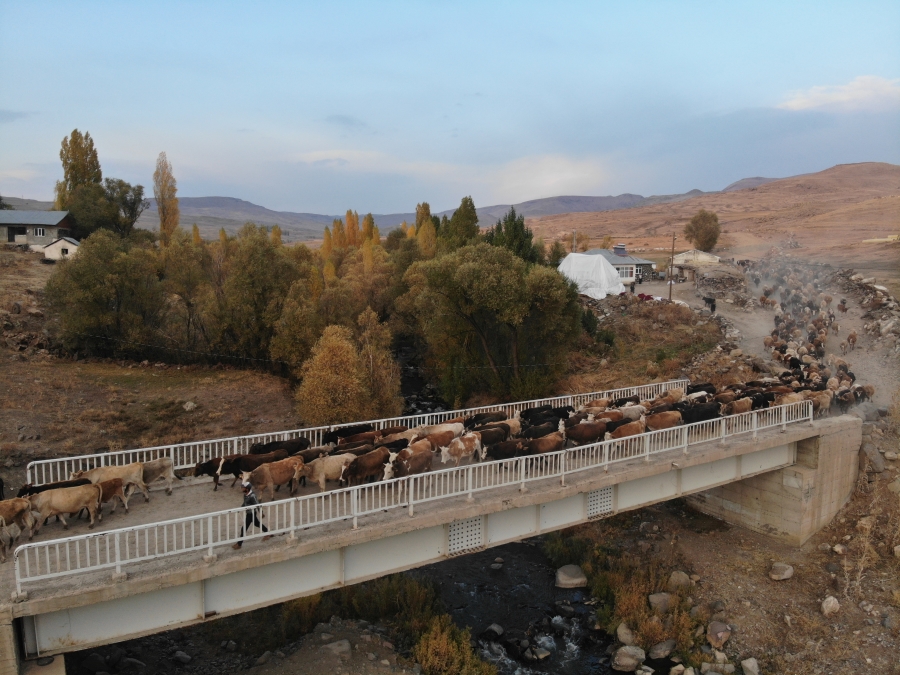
x=9 y=646
x=793 y=503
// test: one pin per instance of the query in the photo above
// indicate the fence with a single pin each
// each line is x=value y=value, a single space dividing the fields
x=186 y=455
x=113 y=549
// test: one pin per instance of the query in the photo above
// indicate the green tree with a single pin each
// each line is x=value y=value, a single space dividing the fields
x=108 y=299
x=301 y=322
x=81 y=166
x=557 y=253
x=333 y=389
x=510 y=233
x=258 y=277
x=165 y=189
x=91 y=210
x=5 y=206
x=368 y=227
x=128 y=202
x=186 y=280
x=703 y=230
x=491 y=321
x=462 y=228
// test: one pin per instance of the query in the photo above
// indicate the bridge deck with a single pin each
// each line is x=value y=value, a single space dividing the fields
x=199 y=498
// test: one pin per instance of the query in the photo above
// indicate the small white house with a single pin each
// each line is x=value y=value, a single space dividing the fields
x=627 y=266
x=64 y=247
x=694 y=257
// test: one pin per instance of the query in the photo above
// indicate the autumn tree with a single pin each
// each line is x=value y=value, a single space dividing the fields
x=380 y=371
x=462 y=228
x=703 y=230
x=510 y=233
x=426 y=238
x=338 y=234
x=185 y=278
x=423 y=214
x=165 y=189
x=333 y=389
x=196 y=239
x=376 y=235
x=81 y=166
x=368 y=227
x=353 y=235
x=276 y=235
x=327 y=244
x=301 y=323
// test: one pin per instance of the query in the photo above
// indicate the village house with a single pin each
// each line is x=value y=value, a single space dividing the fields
x=34 y=229
x=695 y=257
x=64 y=247
x=626 y=265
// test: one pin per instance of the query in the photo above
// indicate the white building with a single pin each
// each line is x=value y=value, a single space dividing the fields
x=694 y=257
x=64 y=247
x=627 y=266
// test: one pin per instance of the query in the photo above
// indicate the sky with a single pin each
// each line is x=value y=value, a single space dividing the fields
x=320 y=107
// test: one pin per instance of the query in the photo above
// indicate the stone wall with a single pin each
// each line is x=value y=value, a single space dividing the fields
x=794 y=503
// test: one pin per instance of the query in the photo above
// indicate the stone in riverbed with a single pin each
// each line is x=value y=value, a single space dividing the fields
x=181 y=657
x=830 y=606
x=678 y=580
x=781 y=571
x=717 y=634
x=628 y=659
x=340 y=647
x=570 y=576
x=662 y=650
x=750 y=666
x=624 y=635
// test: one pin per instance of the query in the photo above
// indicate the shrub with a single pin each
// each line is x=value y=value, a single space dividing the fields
x=444 y=650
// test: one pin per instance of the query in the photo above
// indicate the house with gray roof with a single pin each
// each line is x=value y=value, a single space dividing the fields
x=35 y=229
x=626 y=265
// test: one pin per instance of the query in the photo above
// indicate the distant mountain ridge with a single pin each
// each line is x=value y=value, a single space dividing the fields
x=213 y=213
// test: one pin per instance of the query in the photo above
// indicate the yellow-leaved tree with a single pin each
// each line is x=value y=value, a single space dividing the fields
x=333 y=390
x=165 y=189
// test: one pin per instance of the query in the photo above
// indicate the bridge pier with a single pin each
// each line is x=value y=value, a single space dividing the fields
x=793 y=503
x=9 y=645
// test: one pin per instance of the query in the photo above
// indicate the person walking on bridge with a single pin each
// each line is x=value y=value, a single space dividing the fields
x=251 y=516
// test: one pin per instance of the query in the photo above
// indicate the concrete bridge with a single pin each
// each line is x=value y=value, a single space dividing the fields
x=774 y=470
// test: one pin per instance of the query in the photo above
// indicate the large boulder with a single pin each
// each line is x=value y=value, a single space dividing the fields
x=660 y=602
x=570 y=576
x=662 y=649
x=875 y=460
x=717 y=634
x=628 y=659
x=678 y=580
x=624 y=635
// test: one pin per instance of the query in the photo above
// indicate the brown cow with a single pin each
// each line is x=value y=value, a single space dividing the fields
x=364 y=467
x=16 y=511
x=66 y=500
x=598 y=403
x=544 y=444
x=586 y=432
x=131 y=475
x=630 y=429
x=367 y=436
x=609 y=416
x=268 y=476
x=390 y=431
x=439 y=440
x=109 y=491
x=742 y=405
x=237 y=465
x=663 y=420
x=418 y=462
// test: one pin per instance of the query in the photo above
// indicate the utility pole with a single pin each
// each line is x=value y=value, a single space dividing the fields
x=671 y=268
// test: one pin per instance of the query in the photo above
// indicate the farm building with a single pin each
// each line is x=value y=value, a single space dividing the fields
x=695 y=257
x=64 y=247
x=626 y=265
x=35 y=229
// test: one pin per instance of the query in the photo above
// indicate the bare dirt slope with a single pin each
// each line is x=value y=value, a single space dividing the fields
x=829 y=214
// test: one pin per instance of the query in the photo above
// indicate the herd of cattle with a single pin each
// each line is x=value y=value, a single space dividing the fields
x=804 y=321
x=357 y=454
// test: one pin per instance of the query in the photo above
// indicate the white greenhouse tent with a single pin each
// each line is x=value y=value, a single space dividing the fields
x=593 y=274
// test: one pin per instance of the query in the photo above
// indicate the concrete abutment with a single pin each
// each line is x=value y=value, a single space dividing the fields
x=793 y=503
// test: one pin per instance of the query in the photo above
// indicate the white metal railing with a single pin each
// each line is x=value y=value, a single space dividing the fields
x=187 y=455
x=37 y=561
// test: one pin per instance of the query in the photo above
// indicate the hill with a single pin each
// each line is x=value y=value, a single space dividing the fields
x=828 y=214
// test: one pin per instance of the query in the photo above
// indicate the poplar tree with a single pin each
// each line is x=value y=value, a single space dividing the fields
x=327 y=243
x=196 y=239
x=165 y=189
x=368 y=226
x=80 y=167
x=353 y=236
x=276 y=235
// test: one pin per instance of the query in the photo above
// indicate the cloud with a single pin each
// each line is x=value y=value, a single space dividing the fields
x=7 y=116
x=545 y=176
x=868 y=93
x=19 y=174
x=347 y=122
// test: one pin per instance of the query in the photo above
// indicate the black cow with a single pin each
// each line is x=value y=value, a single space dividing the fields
x=332 y=437
x=528 y=413
x=292 y=446
x=493 y=436
x=708 y=387
x=29 y=489
x=700 y=413
x=504 y=450
x=483 y=418
x=620 y=402
x=541 y=430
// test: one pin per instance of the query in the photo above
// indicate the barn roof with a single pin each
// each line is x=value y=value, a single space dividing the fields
x=74 y=242
x=617 y=259
x=47 y=218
